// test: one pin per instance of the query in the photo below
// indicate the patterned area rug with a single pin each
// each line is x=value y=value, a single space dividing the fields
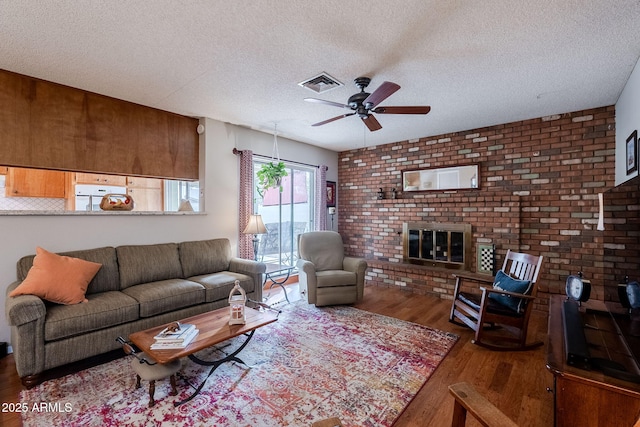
x=313 y=363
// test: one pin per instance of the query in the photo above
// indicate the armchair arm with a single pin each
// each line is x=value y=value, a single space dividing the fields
x=467 y=399
x=461 y=277
x=23 y=309
x=306 y=266
x=358 y=266
x=354 y=264
x=474 y=277
x=307 y=279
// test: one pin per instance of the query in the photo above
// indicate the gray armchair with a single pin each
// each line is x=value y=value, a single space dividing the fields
x=326 y=276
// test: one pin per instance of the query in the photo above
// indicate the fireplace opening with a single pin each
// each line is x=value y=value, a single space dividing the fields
x=437 y=244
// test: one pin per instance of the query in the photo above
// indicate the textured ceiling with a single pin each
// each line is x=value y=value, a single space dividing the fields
x=476 y=63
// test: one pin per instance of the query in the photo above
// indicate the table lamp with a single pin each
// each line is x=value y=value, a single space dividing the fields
x=255 y=226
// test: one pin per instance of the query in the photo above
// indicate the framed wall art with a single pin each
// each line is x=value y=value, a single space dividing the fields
x=331 y=194
x=632 y=152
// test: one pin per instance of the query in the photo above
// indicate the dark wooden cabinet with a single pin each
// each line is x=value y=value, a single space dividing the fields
x=51 y=126
x=589 y=398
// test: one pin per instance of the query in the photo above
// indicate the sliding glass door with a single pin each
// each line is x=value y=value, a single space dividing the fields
x=286 y=213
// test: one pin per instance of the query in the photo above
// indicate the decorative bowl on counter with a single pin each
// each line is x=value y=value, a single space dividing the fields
x=116 y=202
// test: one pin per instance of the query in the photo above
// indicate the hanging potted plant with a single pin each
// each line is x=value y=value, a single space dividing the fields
x=270 y=176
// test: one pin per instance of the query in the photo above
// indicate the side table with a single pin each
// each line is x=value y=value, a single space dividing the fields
x=278 y=274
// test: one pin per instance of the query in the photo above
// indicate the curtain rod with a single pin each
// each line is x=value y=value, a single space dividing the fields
x=236 y=151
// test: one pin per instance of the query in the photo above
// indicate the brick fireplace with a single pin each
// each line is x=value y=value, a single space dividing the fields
x=540 y=180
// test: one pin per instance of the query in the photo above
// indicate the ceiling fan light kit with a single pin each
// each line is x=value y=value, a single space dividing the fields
x=364 y=104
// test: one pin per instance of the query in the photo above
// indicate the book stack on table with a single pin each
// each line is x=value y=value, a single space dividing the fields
x=169 y=338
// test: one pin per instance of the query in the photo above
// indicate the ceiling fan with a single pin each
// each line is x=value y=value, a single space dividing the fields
x=364 y=104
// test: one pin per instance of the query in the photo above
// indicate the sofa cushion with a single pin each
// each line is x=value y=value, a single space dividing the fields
x=166 y=295
x=330 y=278
x=148 y=263
x=205 y=256
x=56 y=278
x=102 y=310
x=107 y=279
x=219 y=285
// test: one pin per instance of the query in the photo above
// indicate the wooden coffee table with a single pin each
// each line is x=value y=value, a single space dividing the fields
x=213 y=328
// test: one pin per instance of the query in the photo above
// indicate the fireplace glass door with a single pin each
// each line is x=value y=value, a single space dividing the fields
x=437 y=244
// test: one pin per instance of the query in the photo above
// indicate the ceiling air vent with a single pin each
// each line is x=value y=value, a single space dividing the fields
x=321 y=83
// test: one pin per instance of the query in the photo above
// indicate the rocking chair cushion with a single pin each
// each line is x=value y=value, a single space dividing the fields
x=504 y=282
x=473 y=300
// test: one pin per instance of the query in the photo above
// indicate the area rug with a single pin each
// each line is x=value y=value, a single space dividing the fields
x=313 y=363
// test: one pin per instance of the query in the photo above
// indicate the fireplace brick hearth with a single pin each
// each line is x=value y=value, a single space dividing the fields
x=538 y=192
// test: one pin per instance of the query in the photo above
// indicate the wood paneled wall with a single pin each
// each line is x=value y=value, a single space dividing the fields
x=51 y=126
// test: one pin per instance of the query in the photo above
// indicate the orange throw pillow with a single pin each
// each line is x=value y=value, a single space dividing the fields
x=56 y=278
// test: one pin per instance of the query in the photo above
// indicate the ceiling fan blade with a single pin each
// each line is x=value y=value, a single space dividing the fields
x=333 y=119
x=372 y=123
x=385 y=90
x=402 y=110
x=322 y=101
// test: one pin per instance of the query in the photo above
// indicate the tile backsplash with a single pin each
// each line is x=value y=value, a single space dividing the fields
x=27 y=203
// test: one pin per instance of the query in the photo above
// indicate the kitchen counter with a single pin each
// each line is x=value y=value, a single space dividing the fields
x=95 y=213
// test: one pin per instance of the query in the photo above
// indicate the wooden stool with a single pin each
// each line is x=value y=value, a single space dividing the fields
x=152 y=373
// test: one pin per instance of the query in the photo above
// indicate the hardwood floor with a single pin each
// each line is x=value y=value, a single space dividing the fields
x=515 y=382
x=10 y=387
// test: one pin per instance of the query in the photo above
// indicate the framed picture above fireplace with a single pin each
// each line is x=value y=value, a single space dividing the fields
x=460 y=177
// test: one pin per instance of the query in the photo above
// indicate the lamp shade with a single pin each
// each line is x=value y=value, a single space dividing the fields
x=255 y=225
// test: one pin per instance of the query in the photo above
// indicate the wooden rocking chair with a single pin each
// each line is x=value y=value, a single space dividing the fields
x=508 y=303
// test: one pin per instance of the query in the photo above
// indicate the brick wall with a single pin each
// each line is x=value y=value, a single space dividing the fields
x=621 y=246
x=539 y=185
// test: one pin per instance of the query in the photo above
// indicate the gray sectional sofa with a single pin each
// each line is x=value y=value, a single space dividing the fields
x=137 y=287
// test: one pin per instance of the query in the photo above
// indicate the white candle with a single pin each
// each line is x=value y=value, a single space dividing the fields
x=601 y=214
